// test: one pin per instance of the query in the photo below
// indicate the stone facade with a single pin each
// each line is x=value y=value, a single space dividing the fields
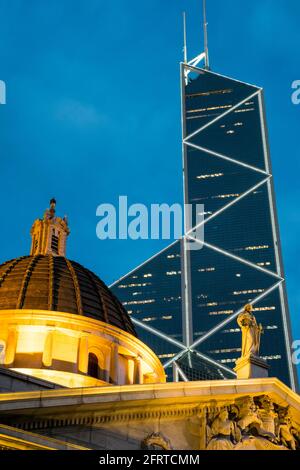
x=255 y=414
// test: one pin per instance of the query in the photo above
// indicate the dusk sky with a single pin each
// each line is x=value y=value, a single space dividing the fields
x=93 y=112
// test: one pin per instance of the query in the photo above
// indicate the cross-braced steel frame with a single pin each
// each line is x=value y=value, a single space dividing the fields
x=188 y=344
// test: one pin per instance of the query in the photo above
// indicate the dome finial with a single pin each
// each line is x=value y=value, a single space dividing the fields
x=49 y=234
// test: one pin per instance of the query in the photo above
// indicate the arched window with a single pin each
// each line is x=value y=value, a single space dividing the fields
x=93 y=366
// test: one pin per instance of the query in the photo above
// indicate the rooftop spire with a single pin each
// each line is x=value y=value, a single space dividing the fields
x=184 y=38
x=49 y=234
x=205 y=25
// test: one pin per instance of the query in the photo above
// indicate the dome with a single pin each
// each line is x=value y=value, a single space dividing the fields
x=47 y=282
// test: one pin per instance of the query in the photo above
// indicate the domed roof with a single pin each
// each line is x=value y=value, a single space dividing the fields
x=47 y=282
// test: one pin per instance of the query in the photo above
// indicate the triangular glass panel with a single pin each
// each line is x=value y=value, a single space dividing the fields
x=215 y=182
x=152 y=292
x=220 y=287
x=237 y=135
x=196 y=367
x=245 y=229
x=207 y=95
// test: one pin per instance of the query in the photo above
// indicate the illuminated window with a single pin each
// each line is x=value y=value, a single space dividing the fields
x=222 y=312
x=165 y=356
x=259 y=247
x=225 y=196
x=272 y=358
x=223 y=351
x=147 y=319
x=250 y=291
x=227 y=361
x=213 y=175
x=139 y=302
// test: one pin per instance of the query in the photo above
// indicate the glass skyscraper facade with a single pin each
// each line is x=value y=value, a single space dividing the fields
x=184 y=301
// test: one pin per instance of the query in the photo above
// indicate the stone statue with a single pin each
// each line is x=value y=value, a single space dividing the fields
x=156 y=441
x=251 y=332
x=222 y=435
x=268 y=415
x=248 y=415
x=286 y=432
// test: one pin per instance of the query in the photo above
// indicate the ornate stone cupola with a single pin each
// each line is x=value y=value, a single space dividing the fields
x=49 y=234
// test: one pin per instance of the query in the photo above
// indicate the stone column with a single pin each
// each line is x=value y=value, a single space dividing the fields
x=47 y=353
x=114 y=364
x=83 y=355
x=138 y=371
x=11 y=346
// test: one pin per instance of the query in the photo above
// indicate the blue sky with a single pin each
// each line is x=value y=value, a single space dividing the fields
x=93 y=112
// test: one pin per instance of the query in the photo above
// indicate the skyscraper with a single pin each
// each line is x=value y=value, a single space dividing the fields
x=184 y=302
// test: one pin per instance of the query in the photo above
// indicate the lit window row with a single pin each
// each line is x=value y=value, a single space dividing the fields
x=271 y=358
x=206 y=270
x=173 y=256
x=259 y=247
x=225 y=196
x=222 y=351
x=139 y=302
x=264 y=309
x=164 y=317
x=227 y=361
x=209 y=93
x=204 y=213
x=213 y=175
x=250 y=291
x=211 y=108
x=125 y=286
x=244 y=110
x=173 y=273
x=147 y=275
x=221 y=312
x=165 y=356
x=171 y=299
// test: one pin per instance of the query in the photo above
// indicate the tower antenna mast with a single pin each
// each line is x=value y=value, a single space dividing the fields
x=184 y=38
x=205 y=24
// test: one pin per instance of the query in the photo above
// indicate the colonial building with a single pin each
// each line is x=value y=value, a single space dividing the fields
x=75 y=376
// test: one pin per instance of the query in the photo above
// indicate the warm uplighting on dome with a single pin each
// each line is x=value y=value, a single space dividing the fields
x=61 y=323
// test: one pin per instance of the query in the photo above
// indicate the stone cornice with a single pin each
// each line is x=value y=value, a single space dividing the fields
x=95 y=406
